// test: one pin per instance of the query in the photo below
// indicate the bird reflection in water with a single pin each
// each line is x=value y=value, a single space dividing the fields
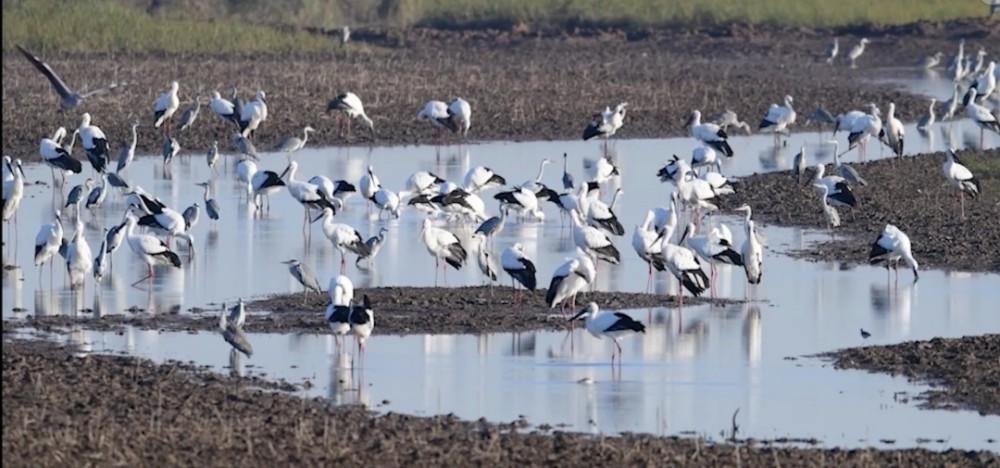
x=751 y=333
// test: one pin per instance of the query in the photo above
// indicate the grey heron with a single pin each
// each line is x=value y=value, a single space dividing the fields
x=831 y=51
x=374 y=244
x=233 y=334
x=301 y=272
x=212 y=156
x=211 y=206
x=294 y=143
x=191 y=215
x=170 y=149
x=127 y=153
x=190 y=114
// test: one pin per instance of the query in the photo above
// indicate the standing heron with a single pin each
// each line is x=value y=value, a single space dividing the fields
x=830 y=214
x=493 y=226
x=727 y=119
x=189 y=115
x=127 y=153
x=374 y=244
x=567 y=178
x=165 y=107
x=831 y=51
x=79 y=259
x=607 y=324
x=97 y=194
x=301 y=272
x=244 y=145
x=351 y=105
x=191 y=215
x=292 y=144
x=485 y=259
x=101 y=260
x=13 y=189
x=856 y=51
x=211 y=206
x=799 y=164
x=212 y=156
x=927 y=120
x=233 y=334
x=170 y=149
x=68 y=99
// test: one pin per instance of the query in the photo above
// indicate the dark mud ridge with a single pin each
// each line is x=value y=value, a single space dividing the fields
x=398 y=310
x=527 y=88
x=964 y=372
x=114 y=410
x=908 y=192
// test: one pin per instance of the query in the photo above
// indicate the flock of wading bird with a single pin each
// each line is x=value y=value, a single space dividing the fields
x=594 y=222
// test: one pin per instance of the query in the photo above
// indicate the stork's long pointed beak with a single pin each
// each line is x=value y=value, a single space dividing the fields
x=319 y=217
x=579 y=314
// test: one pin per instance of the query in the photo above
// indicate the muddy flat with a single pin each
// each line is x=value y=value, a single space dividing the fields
x=124 y=410
x=401 y=310
x=527 y=85
x=964 y=372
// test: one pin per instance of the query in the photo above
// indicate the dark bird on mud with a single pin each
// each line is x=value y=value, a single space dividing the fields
x=68 y=99
x=613 y=325
x=865 y=334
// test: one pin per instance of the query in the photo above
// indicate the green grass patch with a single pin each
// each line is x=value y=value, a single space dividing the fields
x=811 y=13
x=111 y=26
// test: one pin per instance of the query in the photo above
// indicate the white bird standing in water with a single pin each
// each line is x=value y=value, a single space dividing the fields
x=752 y=250
x=891 y=246
x=613 y=325
x=338 y=313
x=442 y=245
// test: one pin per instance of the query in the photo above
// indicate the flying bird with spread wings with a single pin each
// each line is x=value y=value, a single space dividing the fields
x=68 y=98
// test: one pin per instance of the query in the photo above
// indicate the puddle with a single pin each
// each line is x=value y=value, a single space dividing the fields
x=261 y=243
x=686 y=375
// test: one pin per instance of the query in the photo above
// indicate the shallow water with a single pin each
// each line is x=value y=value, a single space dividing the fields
x=688 y=374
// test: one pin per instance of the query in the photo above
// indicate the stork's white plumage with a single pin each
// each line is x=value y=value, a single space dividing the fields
x=519 y=267
x=57 y=157
x=613 y=325
x=166 y=105
x=683 y=263
x=894 y=131
x=600 y=170
x=709 y=134
x=79 y=259
x=605 y=124
x=350 y=104
x=891 y=246
x=369 y=184
x=982 y=116
x=830 y=214
x=569 y=278
x=48 y=240
x=705 y=156
x=602 y=215
x=777 y=119
x=442 y=245
x=436 y=112
x=960 y=178
x=387 y=200
x=338 y=313
x=95 y=144
x=461 y=113
x=150 y=249
x=223 y=108
x=592 y=240
x=648 y=246
x=253 y=114
x=246 y=169
x=423 y=182
x=523 y=200
x=752 y=250
x=480 y=178
x=343 y=237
